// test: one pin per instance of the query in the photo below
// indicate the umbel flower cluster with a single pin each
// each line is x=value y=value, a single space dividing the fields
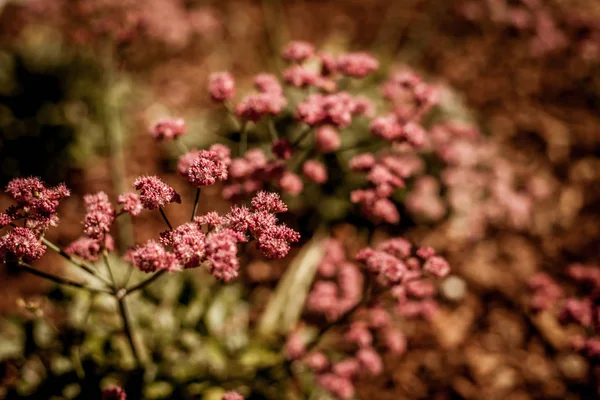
x=366 y=293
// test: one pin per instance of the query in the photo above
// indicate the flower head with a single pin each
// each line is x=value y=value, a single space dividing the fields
x=299 y=76
x=269 y=202
x=267 y=83
x=33 y=195
x=357 y=65
x=298 y=51
x=232 y=396
x=221 y=86
x=256 y=106
x=21 y=243
x=130 y=203
x=153 y=257
x=327 y=139
x=99 y=216
x=90 y=249
x=169 y=129
x=206 y=169
x=187 y=243
x=221 y=254
x=154 y=193
x=315 y=171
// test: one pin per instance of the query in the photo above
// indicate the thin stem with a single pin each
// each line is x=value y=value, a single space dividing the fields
x=244 y=138
x=112 y=277
x=195 y=204
x=59 y=280
x=165 y=218
x=145 y=283
x=127 y=326
x=302 y=136
x=69 y=258
x=272 y=130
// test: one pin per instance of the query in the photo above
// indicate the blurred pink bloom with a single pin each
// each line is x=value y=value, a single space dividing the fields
x=357 y=65
x=221 y=86
x=169 y=129
x=327 y=139
x=298 y=51
x=315 y=171
x=114 y=393
x=130 y=203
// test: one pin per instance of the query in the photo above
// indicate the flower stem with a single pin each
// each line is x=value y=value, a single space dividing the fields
x=69 y=258
x=165 y=218
x=302 y=136
x=244 y=138
x=127 y=327
x=272 y=130
x=145 y=283
x=57 y=279
x=195 y=204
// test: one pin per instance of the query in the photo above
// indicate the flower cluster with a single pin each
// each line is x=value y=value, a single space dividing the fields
x=154 y=193
x=268 y=101
x=114 y=393
x=168 y=129
x=581 y=309
x=187 y=246
x=394 y=271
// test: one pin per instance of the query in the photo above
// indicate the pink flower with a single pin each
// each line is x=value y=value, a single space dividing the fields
x=274 y=242
x=323 y=297
x=426 y=252
x=34 y=197
x=290 y=183
x=169 y=129
x=385 y=210
x=315 y=171
x=256 y=106
x=282 y=148
x=221 y=254
x=316 y=361
x=267 y=83
x=357 y=65
x=154 y=193
x=221 y=86
x=153 y=257
x=299 y=76
x=212 y=219
x=186 y=161
x=90 y=249
x=21 y=243
x=414 y=134
x=370 y=360
x=5 y=220
x=387 y=127
x=328 y=64
x=99 y=216
x=130 y=203
x=269 y=202
x=359 y=334
x=295 y=347
x=114 y=393
x=327 y=139
x=206 y=169
x=348 y=368
x=339 y=386
x=397 y=247
x=437 y=266
x=298 y=51
x=335 y=109
x=187 y=242
x=362 y=162
x=232 y=396
x=395 y=341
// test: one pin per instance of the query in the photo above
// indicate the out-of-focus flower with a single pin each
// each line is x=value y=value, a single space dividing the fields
x=298 y=51
x=221 y=86
x=169 y=129
x=130 y=203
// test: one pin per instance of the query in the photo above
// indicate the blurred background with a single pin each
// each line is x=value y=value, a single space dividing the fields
x=82 y=80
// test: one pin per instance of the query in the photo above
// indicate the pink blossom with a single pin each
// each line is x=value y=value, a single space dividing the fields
x=327 y=139
x=187 y=244
x=357 y=65
x=359 y=334
x=282 y=148
x=350 y=281
x=420 y=288
x=414 y=134
x=274 y=241
x=99 y=216
x=90 y=249
x=186 y=161
x=315 y=171
x=398 y=247
x=267 y=83
x=153 y=257
x=256 y=106
x=379 y=317
x=298 y=51
x=221 y=254
x=387 y=127
x=339 y=386
x=114 y=393
x=5 y=219
x=168 y=129
x=323 y=297
x=385 y=210
x=232 y=396
x=299 y=76
x=395 y=341
x=348 y=368
x=437 y=266
x=335 y=109
x=212 y=219
x=21 y=243
x=579 y=311
x=130 y=203
x=269 y=202
x=295 y=346
x=291 y=183
x=207 y=168
x=370 y=360
x=364 y=106
x=426 y=252
x=316 y=361
x=154 y=193
x=34 y=197
x=221 y=86
x=362 y=162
